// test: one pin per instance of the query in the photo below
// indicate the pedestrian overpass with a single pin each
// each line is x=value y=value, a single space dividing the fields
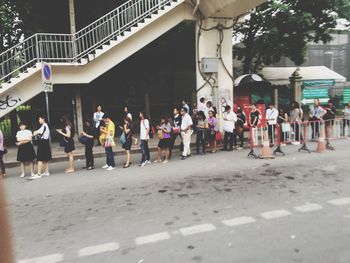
x=82 y=57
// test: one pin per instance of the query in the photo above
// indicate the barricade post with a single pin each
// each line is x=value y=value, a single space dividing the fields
x=278 y=149
x=265 y=153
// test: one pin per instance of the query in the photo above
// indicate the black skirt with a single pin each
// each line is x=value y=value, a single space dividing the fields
x=26 y=153
x=127 y=144
x=69 y=146
x=164 y=143
x=44 y=151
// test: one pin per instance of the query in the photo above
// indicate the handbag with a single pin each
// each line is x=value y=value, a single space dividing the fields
x=176 y=130
x=123 y=138
x=38 y=137
x=218 y=136
x=160 y=134
x=109 y=142
x=285 y=127
x=84 y=140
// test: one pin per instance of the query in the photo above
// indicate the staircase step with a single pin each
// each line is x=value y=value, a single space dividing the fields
x=4 y=86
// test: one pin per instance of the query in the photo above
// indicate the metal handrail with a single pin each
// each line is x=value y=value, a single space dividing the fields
x=70 y=48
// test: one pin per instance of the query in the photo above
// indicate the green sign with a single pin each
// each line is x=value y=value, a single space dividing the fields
x=315 y=93
x=346 y=95
x=319 y=83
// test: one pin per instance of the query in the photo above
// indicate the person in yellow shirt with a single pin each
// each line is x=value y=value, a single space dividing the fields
x=108 y=133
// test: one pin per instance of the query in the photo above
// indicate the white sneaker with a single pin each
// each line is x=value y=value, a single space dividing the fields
x=148 y=162
x=296 y=143
x=142 y=164
x=45 y=174
x=35 y=176
x=105 y=166
x=239 y=148
x=110 y=168
x=22 y=176
x=165 y=161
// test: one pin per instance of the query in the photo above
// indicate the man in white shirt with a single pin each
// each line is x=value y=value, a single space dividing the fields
x=271 y=118
x=186 y=132
x=97 y=121
x=230 y=118
x=144 y=137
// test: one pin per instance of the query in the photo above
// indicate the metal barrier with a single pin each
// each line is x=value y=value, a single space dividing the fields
x=299 y=134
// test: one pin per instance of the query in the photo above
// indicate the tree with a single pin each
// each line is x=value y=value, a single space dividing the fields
x=283 y=28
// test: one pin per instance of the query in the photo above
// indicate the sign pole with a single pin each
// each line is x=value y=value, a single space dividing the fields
x=47 y=107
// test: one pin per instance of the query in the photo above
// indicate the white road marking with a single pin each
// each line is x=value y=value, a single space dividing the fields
x=239 y=221
x=308 y=208
x=341 y=201
x=54 y=258
x=192 y=230
x=99 y=249
x=152 y=238
x=275 y=214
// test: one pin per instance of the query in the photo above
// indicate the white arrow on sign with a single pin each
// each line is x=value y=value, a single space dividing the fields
x=310 y=101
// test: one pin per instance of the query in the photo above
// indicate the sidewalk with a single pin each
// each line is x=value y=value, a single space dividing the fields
x=58 y=154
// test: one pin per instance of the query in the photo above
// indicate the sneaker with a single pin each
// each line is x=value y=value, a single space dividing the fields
x=45 y=174
x=142 y=164
x=35 y=176
x=90 y=168
x=296 y=143
x=110 y=168
x=157 y=161
x=105 y=166
x=239 y=148
x=148 y=162
x=22 y=176
x=183 y=158
x=165 y=161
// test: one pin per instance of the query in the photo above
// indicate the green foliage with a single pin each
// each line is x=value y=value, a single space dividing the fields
x=283 y=28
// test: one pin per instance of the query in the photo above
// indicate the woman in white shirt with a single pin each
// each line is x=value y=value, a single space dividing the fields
x=346 y=121
x=26 y=153
x=44 y=149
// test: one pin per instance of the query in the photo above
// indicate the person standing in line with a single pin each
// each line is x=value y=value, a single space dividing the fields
x=144 y=137
x=128 y=132
x=98 y=122
x=67 y=133
x=176 y=131
x=201 y=106
x=44 y=149
x=213 y=129
x=202 y=126
x=329 y=118
x=109 y=133
x=230 y=118
x=2 y=153
x=26 y=152
x=129 y=115
x=164 y=135
x=315 y=117
x=296 y=120
x=239 y=129
x=271 y=118
x=282 y=120
x=346 y=121
x=186 y=106
x=89 y=132
x=186 y=132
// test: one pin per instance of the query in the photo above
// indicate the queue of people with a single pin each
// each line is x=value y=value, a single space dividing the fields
x=202 y=120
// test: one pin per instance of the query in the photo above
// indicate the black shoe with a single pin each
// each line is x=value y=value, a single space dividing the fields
x=90 y=168
x=223 y=149
x=126 y=166
x=183 y=158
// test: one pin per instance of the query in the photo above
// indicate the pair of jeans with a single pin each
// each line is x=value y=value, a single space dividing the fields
x=89 y=155
x=200 y=140
x=110 y=156
x=228 y=140
x=145 y=151
x=2 y=165
x=186 y=139
x=315 y=127
x=173 y=139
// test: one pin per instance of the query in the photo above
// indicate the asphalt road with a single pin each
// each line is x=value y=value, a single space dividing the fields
x=220 y=207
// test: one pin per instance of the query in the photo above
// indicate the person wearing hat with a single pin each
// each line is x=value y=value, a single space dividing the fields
x=109 y=132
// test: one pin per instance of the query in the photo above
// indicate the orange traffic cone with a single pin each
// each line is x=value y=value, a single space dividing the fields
x=321 y=147
x=266 y=154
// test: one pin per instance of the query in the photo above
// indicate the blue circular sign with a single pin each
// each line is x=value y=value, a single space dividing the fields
x=47 y=72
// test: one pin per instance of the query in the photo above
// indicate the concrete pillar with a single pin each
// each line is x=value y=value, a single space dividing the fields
x=72 y=17
x=296 y=83
x=79 y=111
x=148 y=106
x=207 y=47
x=276 y=97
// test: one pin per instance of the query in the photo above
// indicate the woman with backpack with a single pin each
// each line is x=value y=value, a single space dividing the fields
x=126 y=139
x=67 y=133
x=164 y=135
